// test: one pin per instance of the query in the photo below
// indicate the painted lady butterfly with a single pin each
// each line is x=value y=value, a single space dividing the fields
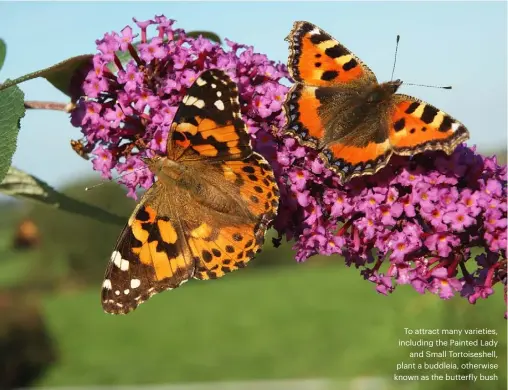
x=207 y=213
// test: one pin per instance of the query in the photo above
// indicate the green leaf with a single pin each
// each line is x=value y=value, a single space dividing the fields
x=22 y=185
x=206 y=34
x=12 y=110
x=59 y=75
x=3 y=52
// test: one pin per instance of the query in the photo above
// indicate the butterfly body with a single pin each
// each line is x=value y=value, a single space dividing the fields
x=207 y=212
x=355 y=112
x=337 y=107
x=196 y=184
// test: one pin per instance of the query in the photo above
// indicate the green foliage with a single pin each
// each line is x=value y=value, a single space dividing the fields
x=22 y=185
x=59 y=75
x=76 y=248
x=26 y=348
x=205 y=34
x=11 y=212
x=14 y=267
x=303 y=321
x=11 y=111
x=3 y=52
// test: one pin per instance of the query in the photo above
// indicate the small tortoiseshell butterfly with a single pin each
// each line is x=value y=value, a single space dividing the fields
x=207 y=213
x=337 y=107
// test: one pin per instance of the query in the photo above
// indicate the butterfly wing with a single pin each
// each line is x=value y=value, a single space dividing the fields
x=223 y=247
x=348 y=159
x=167 y=242
x=215 y=132
x=315 y=58
x=410 y=126
x=355 y=137
x=416 y=126
x=150 y=256
x=208 y=123
x=320 y=66
x=181 y=232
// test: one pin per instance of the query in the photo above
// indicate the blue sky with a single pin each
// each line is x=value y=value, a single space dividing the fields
x=463 y=44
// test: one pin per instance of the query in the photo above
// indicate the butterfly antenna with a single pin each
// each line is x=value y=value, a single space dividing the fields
x=430 y=86
x=416 y=85
x=395 y=57
x=115 y=179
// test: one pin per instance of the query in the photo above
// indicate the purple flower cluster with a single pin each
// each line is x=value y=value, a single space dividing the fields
x=433 y=221
x=129 y=106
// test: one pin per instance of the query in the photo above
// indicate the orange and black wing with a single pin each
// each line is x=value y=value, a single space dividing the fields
x=223 y=248
x=315 y=58
x=349 y=160
x=416 y=126
x=150 y=256
x=161 y=247
x=172 y=236
x=208 y=123
x=319 y=64
x=412 y=126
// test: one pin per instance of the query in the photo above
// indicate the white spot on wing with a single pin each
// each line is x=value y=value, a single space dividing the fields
x=126 y=291
x=107 y=284
x=117 y=260
x=135 y=283
x=199 y=103
x=219 y=104
x=117 y=292
x=200 y=82
x=315 y=31
x=189 y=100
x=214 y=85
x=219 y=93
x=455 y=126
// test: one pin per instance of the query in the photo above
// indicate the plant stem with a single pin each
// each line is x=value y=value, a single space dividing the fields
x=35 y=104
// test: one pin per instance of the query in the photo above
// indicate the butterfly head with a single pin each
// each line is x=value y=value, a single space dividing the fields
x=155 y=163
x=382 y=92
x=393 y=86
x=166 y=169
